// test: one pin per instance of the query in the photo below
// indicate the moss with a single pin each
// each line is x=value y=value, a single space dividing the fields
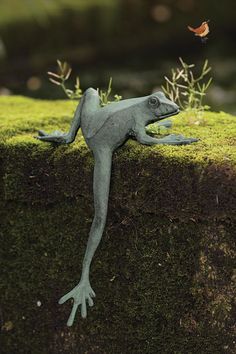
x=23 y=116
x=164 y=272
x=163 y=286
x=34 y=171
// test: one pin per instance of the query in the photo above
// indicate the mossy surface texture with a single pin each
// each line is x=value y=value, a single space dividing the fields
x=164 y=272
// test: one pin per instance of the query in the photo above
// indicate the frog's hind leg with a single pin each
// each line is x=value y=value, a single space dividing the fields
x=88 y=104
x=65 y=138
x=101 y=187
x=83 y=293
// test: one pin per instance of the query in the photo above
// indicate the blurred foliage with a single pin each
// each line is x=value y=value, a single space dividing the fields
x=60 y=78
x=63 y=74
x=187 y=89
x=89 y=29
x=41 y=10
x=101 y=36
x=105 y=95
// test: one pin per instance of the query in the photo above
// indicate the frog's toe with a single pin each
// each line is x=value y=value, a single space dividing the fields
x=41 y=133
x=194 y=140
x=191 y=140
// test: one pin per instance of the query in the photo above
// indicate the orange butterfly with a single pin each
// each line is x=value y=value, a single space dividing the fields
x=201 y=31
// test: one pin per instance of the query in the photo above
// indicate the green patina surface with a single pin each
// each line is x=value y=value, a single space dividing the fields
x=170 y=290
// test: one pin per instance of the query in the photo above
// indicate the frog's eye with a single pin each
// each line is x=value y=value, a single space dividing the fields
x=153 y=101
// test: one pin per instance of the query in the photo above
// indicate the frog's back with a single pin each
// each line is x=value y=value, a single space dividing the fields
x=92 y=123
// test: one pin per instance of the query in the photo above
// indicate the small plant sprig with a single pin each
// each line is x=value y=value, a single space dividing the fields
x=105 y=95
x=187 y=90
x=63 y=74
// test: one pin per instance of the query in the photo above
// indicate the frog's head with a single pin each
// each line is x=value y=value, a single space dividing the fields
x=160 y=106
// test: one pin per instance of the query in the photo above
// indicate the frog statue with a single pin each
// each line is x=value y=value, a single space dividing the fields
x=104 y=130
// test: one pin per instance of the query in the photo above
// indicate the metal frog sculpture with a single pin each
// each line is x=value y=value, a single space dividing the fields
x=105 y=129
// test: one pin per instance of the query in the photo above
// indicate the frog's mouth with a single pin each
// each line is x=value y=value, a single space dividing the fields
x=170 y=114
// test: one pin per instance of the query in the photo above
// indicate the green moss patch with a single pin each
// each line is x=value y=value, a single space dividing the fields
x=198 y=179
x=164 y=272
x=163 y=286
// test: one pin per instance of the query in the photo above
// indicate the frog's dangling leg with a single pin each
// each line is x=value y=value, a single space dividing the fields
x=101 y=186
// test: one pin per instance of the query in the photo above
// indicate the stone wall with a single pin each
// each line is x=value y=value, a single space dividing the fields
x=164 y=271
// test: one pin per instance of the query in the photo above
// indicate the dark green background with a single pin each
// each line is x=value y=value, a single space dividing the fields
x=122 y=39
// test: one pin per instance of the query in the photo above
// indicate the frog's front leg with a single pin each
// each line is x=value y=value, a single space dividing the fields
x=171 y=139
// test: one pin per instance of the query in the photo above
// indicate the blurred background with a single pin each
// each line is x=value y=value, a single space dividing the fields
x=136 y=42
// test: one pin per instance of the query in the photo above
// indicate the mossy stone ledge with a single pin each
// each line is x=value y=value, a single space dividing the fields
x=164 y=272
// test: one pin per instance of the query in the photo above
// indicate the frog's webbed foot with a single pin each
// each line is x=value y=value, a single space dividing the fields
x=81 y=293
x=174 y=139
x=55 y=137
x=171 y=139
